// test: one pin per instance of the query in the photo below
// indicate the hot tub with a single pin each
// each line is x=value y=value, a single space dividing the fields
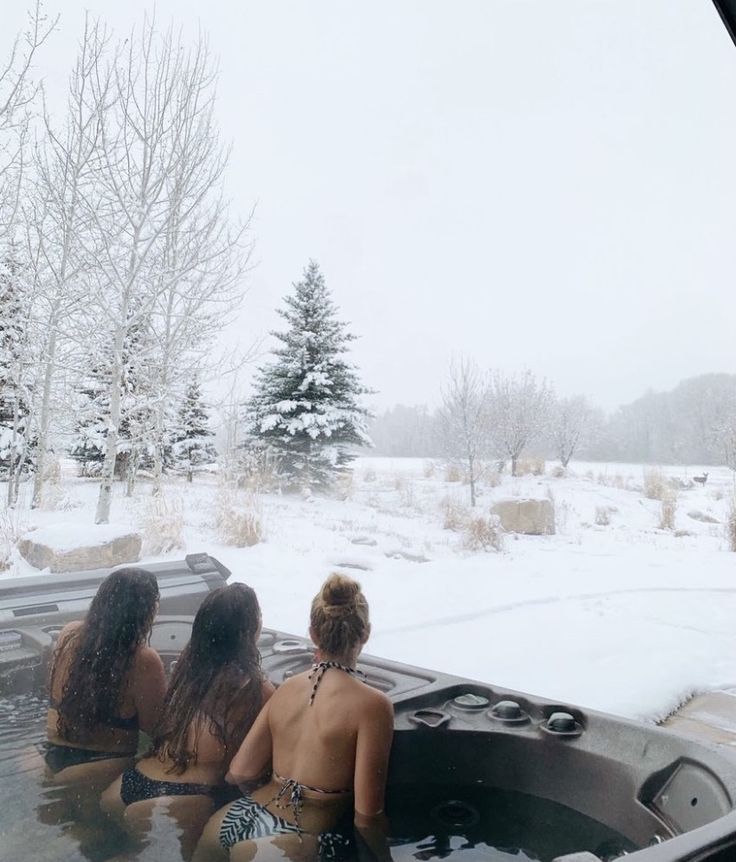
x=476 y=770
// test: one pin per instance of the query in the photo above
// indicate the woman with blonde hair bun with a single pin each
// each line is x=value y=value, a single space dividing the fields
x=321 y=743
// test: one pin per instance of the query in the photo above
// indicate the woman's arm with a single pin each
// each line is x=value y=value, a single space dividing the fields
x=254 y=755
x=149 y=688
x=371 y=757
x=371 y=769
x=62 y=641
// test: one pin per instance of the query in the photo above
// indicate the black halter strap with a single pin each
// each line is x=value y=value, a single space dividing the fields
x=318 y=671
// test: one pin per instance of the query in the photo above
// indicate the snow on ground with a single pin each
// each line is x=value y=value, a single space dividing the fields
x=626 y=618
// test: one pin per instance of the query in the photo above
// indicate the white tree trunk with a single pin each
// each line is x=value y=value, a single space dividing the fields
x=104 y=501
x=45 y=418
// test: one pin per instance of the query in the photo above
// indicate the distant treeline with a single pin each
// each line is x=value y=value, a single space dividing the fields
x=694 y=423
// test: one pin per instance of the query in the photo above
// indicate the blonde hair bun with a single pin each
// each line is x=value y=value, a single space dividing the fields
x=339 y=617
x=340 y=594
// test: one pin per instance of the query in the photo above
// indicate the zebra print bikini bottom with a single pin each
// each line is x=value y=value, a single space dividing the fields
x=246 y=820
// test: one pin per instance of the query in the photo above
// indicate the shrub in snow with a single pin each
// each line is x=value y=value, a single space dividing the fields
x=731 y=525
x=52 y=469
x=656 y=486
x=492 y=478
x=10 y=531
x=428 y=469
x=258 y=468
x=408 y=496
x=680 y=484
x=238 y=518
x=558 y=472
x=453 y=472
x=602 y=516
x=483 y=533
x=344 y=487
x=306 y=403
x=454 y=514
x=668 y=510
x=717 y=494
x=164 y=525
x=399 y=481
x=53 y=497
x=533 y=466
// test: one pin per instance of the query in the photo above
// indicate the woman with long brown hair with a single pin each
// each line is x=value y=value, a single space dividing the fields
x=322 y=744
x=106 y=683
x=216 y=691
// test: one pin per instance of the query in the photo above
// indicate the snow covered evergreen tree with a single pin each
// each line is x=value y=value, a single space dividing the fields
x=192 y=445
x=88 y=446
x=305 y=409
x=16 y=435
x=133 y=449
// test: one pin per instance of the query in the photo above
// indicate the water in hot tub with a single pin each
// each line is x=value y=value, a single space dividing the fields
x=437 y=822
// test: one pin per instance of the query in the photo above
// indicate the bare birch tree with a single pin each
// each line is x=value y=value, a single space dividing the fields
x=17 y=97
x=572 y=421
x=519 y=410
x=159 y=216
x=204 y=256
x=61 y=227
x=464 y=417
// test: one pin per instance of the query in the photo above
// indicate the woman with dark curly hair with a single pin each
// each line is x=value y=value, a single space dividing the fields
x=106 y=683
x=216 y=692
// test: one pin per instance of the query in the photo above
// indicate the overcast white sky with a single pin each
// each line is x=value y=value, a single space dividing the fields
x=540 y=183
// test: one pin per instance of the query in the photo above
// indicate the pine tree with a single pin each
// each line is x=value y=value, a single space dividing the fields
x=192 y=445
x=17 y=442
x=305 y=409
x=90 y=442
x=88 y=447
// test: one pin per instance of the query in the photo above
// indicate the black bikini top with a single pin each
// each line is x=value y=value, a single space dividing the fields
x=318 y=671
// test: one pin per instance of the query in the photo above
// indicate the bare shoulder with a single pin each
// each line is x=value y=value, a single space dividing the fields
x=291 y=691
x=147 y=660
x=377 y=703
x=267 y=690
x=291 y=685
x=69 y=629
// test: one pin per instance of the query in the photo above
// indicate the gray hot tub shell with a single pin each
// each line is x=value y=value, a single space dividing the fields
x=646 y=783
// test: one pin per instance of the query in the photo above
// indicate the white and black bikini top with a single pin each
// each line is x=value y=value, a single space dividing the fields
x=318 y=671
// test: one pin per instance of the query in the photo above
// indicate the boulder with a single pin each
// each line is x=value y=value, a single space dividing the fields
x=532 y=517
x=71 y=548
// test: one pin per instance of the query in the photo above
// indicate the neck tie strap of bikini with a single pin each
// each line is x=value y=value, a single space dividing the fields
x=318 y=671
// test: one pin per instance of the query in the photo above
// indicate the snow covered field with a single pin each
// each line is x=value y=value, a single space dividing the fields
x=623 y=617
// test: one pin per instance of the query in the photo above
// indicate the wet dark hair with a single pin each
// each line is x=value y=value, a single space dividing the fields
x=218 y=678
x=339 y=617
x=118 y=622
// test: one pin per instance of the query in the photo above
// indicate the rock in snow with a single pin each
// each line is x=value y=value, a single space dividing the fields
x=530 y=517
x=73 y=547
